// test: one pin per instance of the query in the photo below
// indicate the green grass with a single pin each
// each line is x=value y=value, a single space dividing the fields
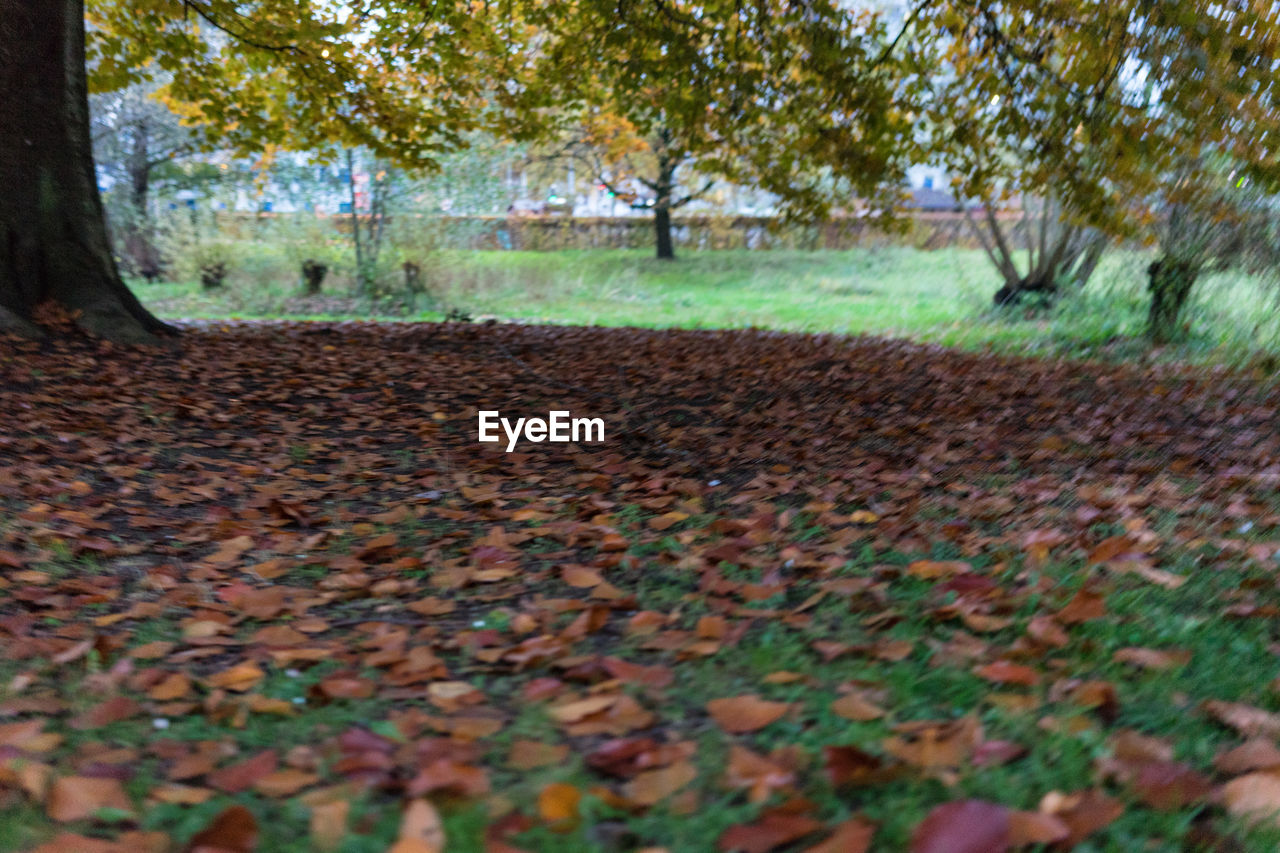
x=938 y=296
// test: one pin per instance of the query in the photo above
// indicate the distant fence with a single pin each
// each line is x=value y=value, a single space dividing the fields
x=551 y=233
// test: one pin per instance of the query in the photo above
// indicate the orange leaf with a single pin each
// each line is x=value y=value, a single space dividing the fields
x=748 y=713
x=239 y=678
x=558 y=803
x=174 y=686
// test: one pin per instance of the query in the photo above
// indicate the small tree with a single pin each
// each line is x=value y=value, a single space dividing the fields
x=138 y=145
x=618 y=156
x=774 y=94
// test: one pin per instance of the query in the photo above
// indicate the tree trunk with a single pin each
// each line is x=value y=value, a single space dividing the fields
x=139 y=249
x=53 y=235
x=355 y=223
x=664 y=188
x=662 y=231
x=1170 y=282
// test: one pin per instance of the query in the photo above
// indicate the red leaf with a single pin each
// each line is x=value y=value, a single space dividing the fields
x=968 y=826
x=770 y=831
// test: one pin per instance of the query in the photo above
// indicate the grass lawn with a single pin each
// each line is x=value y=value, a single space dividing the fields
x=807 y=591
x=939 y=296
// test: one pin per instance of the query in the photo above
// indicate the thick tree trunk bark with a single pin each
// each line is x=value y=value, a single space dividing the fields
x=53 y=236
x=1170 y=283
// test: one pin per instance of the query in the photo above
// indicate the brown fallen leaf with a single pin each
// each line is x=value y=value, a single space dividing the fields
x=1083 y=812
x=1046 y=631
x=181 y=795
x=245 y=774
x=771 y=830
x=421 y=828
x=345 y=688
x=738 y=714
x=1027 y=828
x=1255 y=754
x=528 y=754
x=933 y=745
x=284 y=783
x=856 y=707
x=576 y=711
x=32 y=777
x=1085 y=606
x=849 y=765
x=449 y=776
x=78 y=797
x=1004 y=672
x=653 y=786
x=1246 y=719
x=234 y=830
x=1170 y=785
x=1157 y=659
x=239 y=678
x=113 y=710
x=1254 y=797
x=581 y=577
x=758 y=774
x=174 y=686
x=936 y=569
x=329 y=823
x=851 y=836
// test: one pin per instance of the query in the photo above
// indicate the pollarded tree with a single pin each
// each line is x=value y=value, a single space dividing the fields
x=399 y=78
x=1210 y=220
x=1039 y=250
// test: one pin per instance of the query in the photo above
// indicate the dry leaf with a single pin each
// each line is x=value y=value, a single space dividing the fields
x=748 y=713
x=78 y=797
x=421 y=825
